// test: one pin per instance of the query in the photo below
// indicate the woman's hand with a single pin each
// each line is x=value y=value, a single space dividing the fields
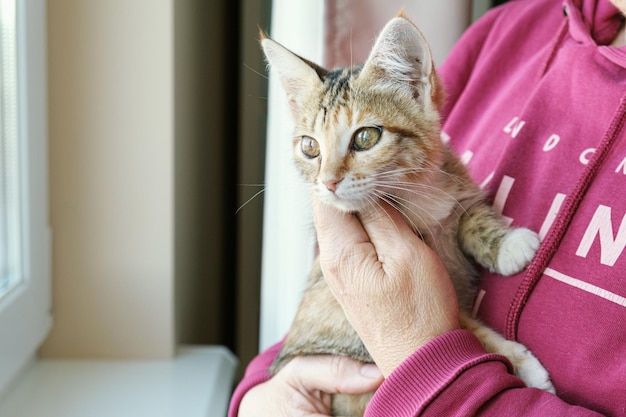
x=393 y=288
x=302 y=388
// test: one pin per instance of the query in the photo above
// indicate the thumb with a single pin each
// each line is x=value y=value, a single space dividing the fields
x=332 y=374
x=344 y=245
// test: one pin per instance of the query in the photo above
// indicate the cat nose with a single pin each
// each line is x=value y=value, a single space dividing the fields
x=331 y=184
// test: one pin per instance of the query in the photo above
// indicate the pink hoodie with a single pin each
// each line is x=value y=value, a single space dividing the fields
x=536 y=108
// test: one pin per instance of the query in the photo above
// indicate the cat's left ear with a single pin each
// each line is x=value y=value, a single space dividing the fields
x=298 y=75
x=401 y=57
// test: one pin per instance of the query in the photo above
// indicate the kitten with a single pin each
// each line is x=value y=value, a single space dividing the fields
x=370 y=133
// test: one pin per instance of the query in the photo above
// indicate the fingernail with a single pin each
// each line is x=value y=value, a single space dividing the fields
x=370 y=370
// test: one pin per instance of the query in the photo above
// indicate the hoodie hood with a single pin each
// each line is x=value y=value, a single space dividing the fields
x=596 y=21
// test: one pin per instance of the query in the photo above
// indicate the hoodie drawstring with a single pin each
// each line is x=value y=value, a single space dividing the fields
x=551 y=243
x=554 y=45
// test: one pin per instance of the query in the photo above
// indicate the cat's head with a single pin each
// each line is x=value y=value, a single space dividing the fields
x=364 y=132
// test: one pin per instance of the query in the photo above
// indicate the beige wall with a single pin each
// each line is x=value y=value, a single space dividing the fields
x=111 y=124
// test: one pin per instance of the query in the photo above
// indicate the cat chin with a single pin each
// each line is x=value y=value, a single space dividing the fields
x=345 y=206
x=348 y=208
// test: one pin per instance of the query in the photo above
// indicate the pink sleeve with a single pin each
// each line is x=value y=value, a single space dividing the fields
x=256 y=373
x=454 y=376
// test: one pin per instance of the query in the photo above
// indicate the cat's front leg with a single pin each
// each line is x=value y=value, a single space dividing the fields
x=484 y=235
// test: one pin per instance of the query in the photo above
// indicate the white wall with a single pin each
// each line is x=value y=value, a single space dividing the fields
x=288 y=243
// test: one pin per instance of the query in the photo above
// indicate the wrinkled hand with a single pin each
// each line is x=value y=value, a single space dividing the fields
x=393 y=288
x=302 y=387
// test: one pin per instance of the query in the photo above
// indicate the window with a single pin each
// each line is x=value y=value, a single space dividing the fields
x=24 y=231
x=10 y=222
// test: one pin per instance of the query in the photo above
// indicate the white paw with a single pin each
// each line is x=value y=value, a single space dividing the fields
x=528 y=368
x=518 y=248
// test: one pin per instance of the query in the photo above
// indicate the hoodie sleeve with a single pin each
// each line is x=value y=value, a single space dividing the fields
x=454 y=376
x=256 y=373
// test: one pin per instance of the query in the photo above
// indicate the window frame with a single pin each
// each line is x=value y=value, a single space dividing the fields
x=25 y=312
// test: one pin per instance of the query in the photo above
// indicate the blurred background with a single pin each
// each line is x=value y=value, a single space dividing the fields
x=158 y=117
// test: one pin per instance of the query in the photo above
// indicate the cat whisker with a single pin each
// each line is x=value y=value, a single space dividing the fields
x=455 y=177
x=258 y=193
x=449 y=195
x=397 y=172
x=255 y=71
x=417 y=170
x=403 y=209
x=400 y=204
x=376 y=201
x=409 y=171
x=416 y=212
x=413 y=208
x=414 y=188
x=251 y=185
x=426 y=228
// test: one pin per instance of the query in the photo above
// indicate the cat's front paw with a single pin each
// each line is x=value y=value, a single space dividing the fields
x=517 y=249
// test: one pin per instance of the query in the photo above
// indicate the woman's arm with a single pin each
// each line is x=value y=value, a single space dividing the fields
x=256 y=373
x=302 y=388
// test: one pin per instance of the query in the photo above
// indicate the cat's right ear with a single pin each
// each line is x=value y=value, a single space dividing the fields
x=298 y=75
x=401 y=58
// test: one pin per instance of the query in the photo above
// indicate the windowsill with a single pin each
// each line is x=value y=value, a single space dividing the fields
x=196 y=383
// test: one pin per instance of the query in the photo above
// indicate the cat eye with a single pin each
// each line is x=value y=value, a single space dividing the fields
x=310 y=147
x=366 y=137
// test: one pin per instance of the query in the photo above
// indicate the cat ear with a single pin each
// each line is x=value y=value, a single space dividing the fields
x=401 y=57
x=297 y=74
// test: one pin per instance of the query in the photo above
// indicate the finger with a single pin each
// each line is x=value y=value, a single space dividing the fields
x=388 y=231
x=344 y=244
x=332 y=374
x=333 y=225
